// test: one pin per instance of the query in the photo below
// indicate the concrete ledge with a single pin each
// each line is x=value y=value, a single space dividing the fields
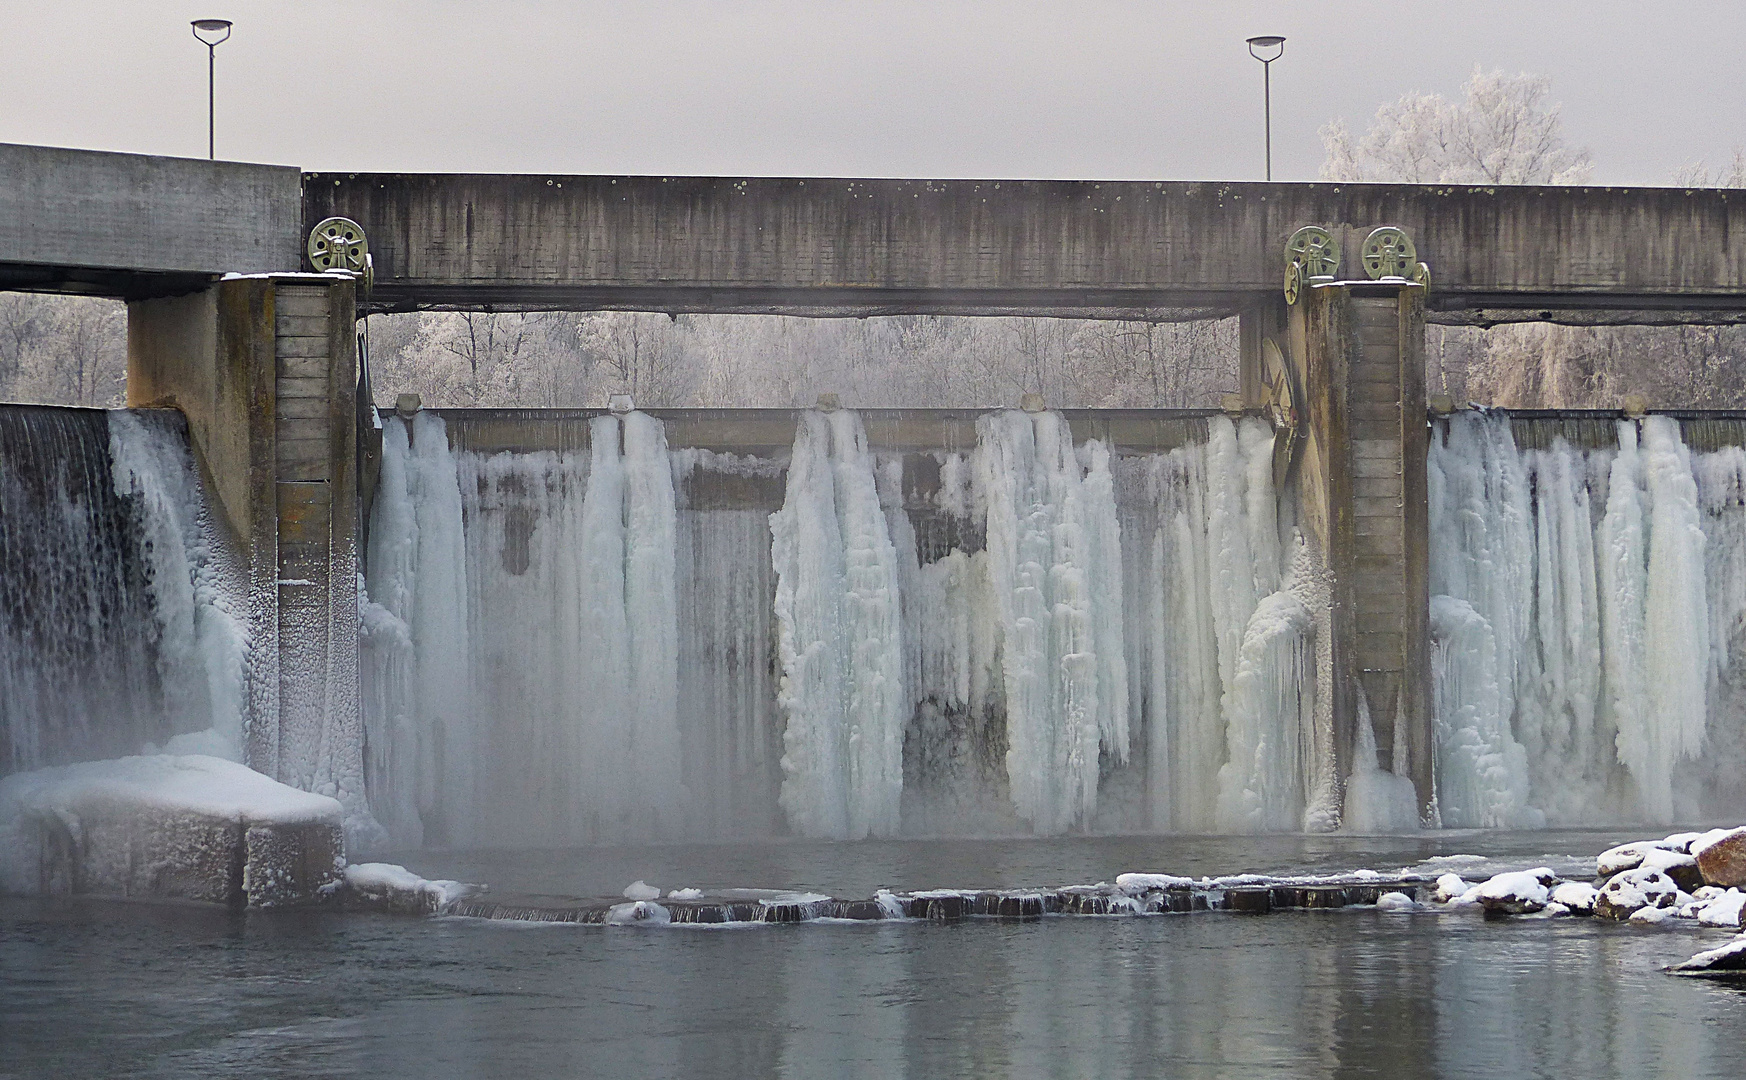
x=188 y=828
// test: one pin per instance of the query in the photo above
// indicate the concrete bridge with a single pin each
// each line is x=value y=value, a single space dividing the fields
x=228 y=323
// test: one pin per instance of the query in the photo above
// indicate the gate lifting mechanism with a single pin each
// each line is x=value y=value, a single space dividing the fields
x=1312 y=256
x=338 y=244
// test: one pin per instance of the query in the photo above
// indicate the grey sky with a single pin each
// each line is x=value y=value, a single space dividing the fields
x=899 y=88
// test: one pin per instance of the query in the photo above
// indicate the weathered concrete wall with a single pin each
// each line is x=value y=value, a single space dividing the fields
x=822 y=246
x=1361 y=496
x=266 y=370
x=135 y=225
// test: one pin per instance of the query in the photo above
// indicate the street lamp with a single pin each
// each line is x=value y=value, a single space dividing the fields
x=211 y=33
x=1276 y=43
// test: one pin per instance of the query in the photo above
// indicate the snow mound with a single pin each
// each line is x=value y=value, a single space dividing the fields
x=1723 y=910
x=190 y=783
x=1450 y=887
x=1395 y=901
x=641 y=890
x=1634 y=890
x=638 y=913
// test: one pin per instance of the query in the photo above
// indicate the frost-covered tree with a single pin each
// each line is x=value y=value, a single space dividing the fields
x=1502 y=130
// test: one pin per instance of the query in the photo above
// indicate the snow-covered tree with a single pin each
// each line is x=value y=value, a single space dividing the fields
x=1502 y=130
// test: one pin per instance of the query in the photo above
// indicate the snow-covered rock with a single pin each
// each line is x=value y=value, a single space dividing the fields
x=1449 y=887
x=1630 y=856
x=168 y=826
x=1577 y=897
x=1628 y=892
x=395 y=889
x=1728 y=958
x=1518 y=892
x=1649 y=915
x=1721 y=857
x=1395 y=901
x=1723 y=910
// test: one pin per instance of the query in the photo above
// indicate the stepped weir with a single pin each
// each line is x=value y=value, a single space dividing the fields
x=1322 y=605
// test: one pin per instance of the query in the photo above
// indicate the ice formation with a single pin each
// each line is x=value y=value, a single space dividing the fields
x=1587 y=604
x=202 y=641
x=121 y=625
x=841 y=637
x=521 y=640
x=1051 y=534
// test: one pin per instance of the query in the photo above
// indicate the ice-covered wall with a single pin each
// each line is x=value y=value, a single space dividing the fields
x=121 y=629
x=1586 y=616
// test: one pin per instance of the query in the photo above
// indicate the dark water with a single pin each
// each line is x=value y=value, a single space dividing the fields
x=97 y=989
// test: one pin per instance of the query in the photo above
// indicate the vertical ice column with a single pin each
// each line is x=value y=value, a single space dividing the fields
x=202 y=645
x=650 y=608
x=841 y=644
x=1658 y=658
x=1047 y=530
x=424 y=751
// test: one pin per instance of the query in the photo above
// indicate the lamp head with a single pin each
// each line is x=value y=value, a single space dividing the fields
x=1266 y=43
x=211 y=32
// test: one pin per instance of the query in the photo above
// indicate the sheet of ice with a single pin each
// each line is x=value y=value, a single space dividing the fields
x=641 y=890
x=1613 y=584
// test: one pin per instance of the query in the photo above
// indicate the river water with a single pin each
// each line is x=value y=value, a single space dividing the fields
x=118 y=989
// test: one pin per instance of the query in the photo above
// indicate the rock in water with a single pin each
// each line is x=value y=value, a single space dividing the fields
x=1578 y=897
x=1721 y=858
x=1723 y=910
x=1728 y=959
x=1521 y=892
x=1622 y=896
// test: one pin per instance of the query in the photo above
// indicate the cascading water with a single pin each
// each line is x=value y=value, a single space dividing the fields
x=120 y=629
x=1581 y=649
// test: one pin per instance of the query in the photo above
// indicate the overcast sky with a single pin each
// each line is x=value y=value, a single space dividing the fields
x=948 y=88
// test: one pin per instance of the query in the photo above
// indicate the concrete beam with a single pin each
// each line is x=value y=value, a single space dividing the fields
x=1132 y=249
x=136 y=226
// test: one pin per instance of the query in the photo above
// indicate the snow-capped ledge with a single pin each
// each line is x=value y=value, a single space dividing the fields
x=186 y=827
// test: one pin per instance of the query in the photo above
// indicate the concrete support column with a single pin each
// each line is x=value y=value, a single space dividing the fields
x=265 y=369
x=1362 y=497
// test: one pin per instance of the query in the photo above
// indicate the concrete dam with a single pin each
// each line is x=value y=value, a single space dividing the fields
x=1324 y=606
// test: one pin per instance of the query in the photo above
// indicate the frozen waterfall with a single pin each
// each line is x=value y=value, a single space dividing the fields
x=1581 y=647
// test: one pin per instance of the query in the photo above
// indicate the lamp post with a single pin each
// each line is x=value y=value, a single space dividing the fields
x=1276 y=43
x=211 y=33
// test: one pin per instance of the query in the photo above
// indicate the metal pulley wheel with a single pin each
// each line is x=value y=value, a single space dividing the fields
x=338 y=244
x=1293 y=281
x=1389 y=252
x=1315 y=249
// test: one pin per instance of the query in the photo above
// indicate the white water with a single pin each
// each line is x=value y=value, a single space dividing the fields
x=1581 y=649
